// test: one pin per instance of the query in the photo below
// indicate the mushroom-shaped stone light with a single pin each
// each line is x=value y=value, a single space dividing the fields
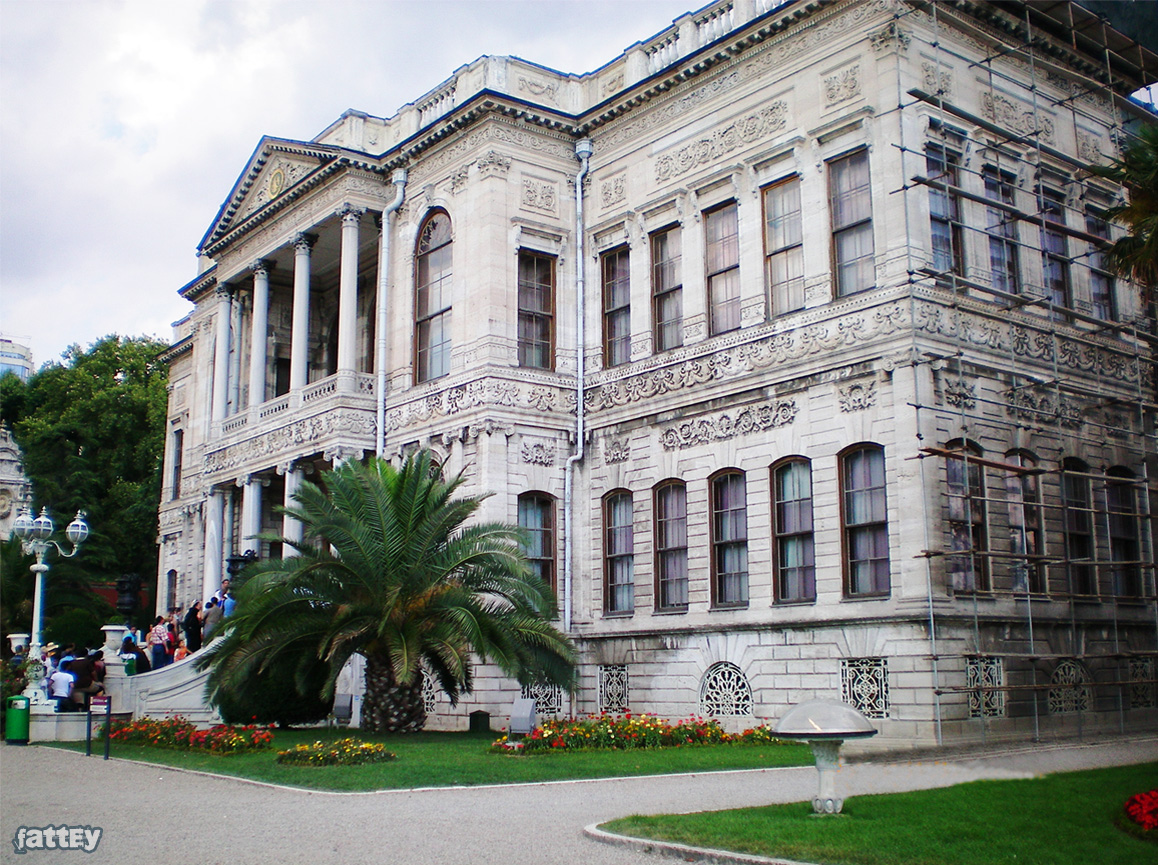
x=825 y=724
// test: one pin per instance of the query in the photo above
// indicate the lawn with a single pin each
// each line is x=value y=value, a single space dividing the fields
x=452 y=759
x=1064 y=819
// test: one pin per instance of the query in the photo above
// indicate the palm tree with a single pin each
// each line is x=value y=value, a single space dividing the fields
x=1136 y=254
x=388 y=569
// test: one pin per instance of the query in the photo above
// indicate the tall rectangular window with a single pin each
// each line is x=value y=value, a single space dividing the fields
x=1023 y=496
x=616 y=307
x=618 y=552
x=722 y=233
x=968 y=519
x=730 y=540
x=865 y=517
x=178 y=463
x=1079 y=526
x=537 y=520
x=792 y=532
x=1122 y=519
x=1001 y=226
x=432 y=282
x=1101 y=279
x=671 y=546
x=536 y=310
x=941 y=166
x=667 y=289
x=850 y=203
x=784 y=246
x=1055 y=252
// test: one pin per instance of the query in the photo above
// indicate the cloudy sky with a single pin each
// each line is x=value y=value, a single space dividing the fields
x=123 y=124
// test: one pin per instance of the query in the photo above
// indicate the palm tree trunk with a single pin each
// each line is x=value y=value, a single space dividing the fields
x=390 y=707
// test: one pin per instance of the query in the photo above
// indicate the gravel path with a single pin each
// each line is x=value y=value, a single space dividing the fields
x=183 y=818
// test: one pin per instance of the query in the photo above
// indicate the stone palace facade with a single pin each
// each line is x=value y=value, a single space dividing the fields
x=786 y=335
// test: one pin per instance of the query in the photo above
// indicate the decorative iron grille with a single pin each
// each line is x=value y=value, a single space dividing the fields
x=429 y=693
x=1142 y=686
x=613 y=688
x=1070 y=689
x=864 y=685
x=725 y=691
x=548 y=698
x=982 y=675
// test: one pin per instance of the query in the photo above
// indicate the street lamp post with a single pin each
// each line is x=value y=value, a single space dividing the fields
x=35 y=539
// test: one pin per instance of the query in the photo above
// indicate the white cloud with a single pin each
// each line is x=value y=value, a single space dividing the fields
x=123 y=124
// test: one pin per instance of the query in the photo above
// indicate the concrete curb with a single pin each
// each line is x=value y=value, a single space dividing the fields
x=683 y=852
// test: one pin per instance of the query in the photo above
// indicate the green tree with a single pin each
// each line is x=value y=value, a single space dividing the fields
x=1136 y=254
x=388 y=568
x=92 y=433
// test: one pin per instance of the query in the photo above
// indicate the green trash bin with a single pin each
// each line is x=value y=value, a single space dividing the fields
x=17 y=715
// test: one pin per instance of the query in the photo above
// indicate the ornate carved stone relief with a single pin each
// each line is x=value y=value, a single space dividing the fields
x=539 y=195
x=1044 y=409
x=842 y=86
x=1090 y=148
x=729 y=425
x=960 y=394
x=493 y=164
x=540 y=89
x=857 y=396
x=936 y=79
x=538 y=454
x=891 y=37
x=616 y=451
x=505 y=133
x=1017 y=118
x=721 y=141
x=613 y=190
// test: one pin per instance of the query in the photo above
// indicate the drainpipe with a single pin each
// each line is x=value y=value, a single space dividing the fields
x=583 y=151
x=399 y=180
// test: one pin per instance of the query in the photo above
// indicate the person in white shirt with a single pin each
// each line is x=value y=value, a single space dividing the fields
x=60 y=687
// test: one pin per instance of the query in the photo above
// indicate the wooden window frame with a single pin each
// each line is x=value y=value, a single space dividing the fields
x=616 y=310
x=527 y=314
x=614 y=555
x=850 y=531
x=721 y=545
x=666 y=287
x=842 y=229
x=665 y=551
x=723 y=312
x=426 y=320
x=784 y=535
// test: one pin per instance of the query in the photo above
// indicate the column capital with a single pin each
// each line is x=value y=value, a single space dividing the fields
x=224 y=291
x=303 y=242
x=262 y=266
x=351 y=214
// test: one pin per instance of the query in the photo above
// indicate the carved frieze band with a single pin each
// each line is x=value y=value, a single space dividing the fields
x=526 y=139
x=1018 y=118
x=706 y=430
x=854 y=329
x=721 y=141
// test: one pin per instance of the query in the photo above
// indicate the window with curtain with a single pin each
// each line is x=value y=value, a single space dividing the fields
x=1102 y=297
x=1026 y=539
x=536 y=310
x=729 y=539
x=432 y=284
x=618 y=553
x=616 y=307
x=792 y=531
x=1001 y=227
x=968 y=517
x=850 y=206
x=1079 y=526
x=1055 y=251
x=537 y=520
x=1122 y=519
x=667 y=289
x=671 y=546
x=865 y=521
x=722 y=235
x=942 y=166
x=784 y=246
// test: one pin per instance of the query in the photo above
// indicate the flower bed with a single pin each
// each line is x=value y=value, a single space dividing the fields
x=183 y=735
x=344 y=752
x=625 y=732
x=1142 y=809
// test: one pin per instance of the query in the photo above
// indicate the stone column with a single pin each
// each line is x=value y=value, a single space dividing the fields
x=221 y=355
x=214 y=520
x=291 y=529
x=300 y=331
x=348 y=293
x=250 y=514
x=260 y=332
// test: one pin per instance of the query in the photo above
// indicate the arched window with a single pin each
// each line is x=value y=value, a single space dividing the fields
x=729 y=540
x=1121 y=503
x=537 y=519
x=792 y=531
x=1079 y=526
x=1026 y=540
x=864 y=515
x=618 y=552
x=432 y=283
x=725 y=691
x=671 y=546
x=968 y=517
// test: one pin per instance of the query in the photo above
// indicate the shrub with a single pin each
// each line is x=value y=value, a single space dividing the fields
x=183 y=735
x=274 y=696
x=1142 y=809
x=625 y=732
x=344 y=752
